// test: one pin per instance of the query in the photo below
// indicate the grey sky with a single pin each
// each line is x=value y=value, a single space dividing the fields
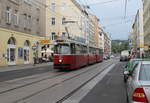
x=111 y=14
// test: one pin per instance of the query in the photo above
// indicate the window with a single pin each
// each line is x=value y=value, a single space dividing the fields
x=63 y=34
x=8 y=15
x=29 y=21
x=53 y=21
x=144 y=72
x=63 y=6
x=63 y=20
x=16 y=18
x=53 y=36
x=62 y=49
x=25 y=20
x=53 y=6
x=37 y=20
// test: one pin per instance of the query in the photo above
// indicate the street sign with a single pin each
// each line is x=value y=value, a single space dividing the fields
x=141 y=45
x=34 y=47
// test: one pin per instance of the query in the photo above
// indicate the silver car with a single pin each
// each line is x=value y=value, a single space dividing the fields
x=138 y=83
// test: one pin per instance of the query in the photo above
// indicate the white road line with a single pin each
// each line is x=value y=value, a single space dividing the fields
x=79 y=95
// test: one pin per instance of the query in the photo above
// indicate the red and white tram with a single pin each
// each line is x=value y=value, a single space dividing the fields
x=71 y=55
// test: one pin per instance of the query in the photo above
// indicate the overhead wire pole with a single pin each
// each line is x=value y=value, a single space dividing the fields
x=125 y=9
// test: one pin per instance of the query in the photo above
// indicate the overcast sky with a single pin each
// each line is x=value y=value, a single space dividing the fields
x=111 y=14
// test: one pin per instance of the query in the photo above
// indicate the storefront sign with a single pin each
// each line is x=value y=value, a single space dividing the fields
x=46 y=41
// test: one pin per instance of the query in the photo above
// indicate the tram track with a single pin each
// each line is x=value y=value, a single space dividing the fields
x=51 y=77
x=90 y=68
x=75 y=90
x=70 y=78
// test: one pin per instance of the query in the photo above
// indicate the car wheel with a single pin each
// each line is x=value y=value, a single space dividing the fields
x=125 y=80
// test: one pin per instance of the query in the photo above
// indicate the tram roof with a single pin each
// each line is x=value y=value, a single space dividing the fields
x=68 y=41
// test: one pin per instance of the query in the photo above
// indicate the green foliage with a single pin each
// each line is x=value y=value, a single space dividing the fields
x=119 y=45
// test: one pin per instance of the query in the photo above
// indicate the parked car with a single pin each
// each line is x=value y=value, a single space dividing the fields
x=112 y=56
x=105 y=57
x=138 y=83
x=130 y=66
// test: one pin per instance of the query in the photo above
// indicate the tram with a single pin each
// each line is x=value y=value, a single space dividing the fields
x=71 y=55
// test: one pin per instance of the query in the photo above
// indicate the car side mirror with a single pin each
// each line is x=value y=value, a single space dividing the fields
x=126 y=73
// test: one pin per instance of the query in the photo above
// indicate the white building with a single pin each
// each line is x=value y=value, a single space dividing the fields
x=139 y=34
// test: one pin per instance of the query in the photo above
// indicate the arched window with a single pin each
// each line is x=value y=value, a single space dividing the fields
x=27 y=43
x=11 y=41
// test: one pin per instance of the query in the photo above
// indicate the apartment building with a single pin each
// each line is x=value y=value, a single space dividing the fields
x=138 y=34
x=65 y=19
x=95 y=31
x=20 y=31
x=146 y=17
x=107 y=44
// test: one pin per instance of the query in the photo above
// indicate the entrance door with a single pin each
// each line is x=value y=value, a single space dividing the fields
x=26 y=51
x=11 y=56
x=11 y=51
x=26 y=55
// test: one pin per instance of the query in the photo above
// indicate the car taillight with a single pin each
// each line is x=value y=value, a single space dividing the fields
x=139 y=95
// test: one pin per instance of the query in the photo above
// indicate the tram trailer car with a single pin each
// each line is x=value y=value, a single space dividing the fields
x=72 y=55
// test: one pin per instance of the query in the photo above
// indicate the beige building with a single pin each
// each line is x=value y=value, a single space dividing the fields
x=95 y=31
x=146 y=18
x=65 y=19
x=107 y=44
x=137 y=35
x=20 y=31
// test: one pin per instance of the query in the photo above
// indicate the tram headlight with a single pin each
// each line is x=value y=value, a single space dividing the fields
x=60 y=60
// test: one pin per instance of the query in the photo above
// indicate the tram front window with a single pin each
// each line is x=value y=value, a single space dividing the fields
x=62 y=49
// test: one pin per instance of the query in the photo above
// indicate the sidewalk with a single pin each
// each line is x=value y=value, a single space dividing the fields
x=24 y=66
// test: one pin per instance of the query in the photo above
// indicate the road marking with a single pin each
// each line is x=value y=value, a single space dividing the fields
x=80 y=94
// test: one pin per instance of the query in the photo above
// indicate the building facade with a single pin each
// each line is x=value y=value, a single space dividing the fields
x=107 y=44
x=146 y=17
x=66 y=19
x=96 y=30
x=20 y=31
x=137 y=34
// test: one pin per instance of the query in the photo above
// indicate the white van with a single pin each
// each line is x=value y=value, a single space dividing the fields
x=124 y=55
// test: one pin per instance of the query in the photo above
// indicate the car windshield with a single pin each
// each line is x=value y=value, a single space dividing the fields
x=144 y=72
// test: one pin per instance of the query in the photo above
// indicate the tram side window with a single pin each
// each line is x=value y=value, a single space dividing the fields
x=73 y=49
x=84 y=50
x=97 y=51
x=91 y=51
x=77 y=49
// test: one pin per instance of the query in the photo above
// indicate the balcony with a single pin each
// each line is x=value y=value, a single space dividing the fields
x=15 y=1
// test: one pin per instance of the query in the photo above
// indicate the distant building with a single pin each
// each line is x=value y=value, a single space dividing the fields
x=107 y=43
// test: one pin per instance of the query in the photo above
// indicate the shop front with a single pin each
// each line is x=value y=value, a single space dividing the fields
x=16 y=48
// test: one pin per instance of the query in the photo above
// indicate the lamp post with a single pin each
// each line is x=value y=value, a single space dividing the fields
x=35 y=54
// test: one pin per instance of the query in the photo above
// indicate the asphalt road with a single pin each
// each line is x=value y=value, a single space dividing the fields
x=10 y=75
x=110 y=90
